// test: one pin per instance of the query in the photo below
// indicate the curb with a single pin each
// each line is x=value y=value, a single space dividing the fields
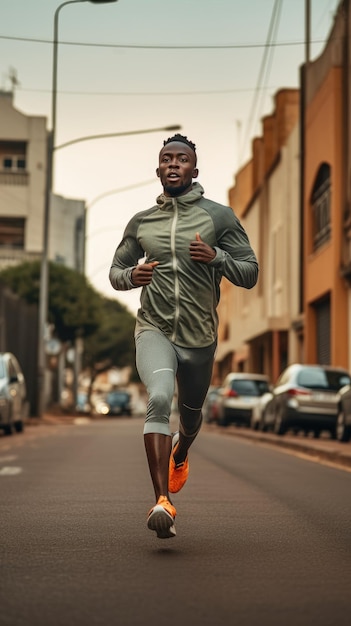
x=325 y=449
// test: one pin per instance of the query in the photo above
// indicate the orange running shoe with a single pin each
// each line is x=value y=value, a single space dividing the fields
x=161 y=518
x=178 y=473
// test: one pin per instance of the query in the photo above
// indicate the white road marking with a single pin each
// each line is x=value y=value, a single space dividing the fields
x=10 y=471
x=7 y=459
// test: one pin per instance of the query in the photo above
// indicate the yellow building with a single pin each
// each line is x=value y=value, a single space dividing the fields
x=326 y=167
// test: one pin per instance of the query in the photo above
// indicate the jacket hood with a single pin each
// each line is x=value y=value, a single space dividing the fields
x=195 y=193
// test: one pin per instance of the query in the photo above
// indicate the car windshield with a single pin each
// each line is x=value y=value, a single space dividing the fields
x=249 y=387
x=317 y=378
x=117 y=396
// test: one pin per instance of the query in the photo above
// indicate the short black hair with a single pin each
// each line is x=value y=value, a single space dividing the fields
x=181 y=139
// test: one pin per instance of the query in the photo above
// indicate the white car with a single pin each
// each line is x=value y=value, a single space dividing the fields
x=239 y=395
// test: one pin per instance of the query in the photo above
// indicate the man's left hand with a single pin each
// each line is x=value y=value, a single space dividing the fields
x=201 y=251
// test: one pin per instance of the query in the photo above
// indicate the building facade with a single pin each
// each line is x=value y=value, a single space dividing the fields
x=256 y=327
x=326 y=198
x=23 y=170
x=294 y=199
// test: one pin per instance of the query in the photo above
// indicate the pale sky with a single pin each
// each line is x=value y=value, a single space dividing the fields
x=144 y=64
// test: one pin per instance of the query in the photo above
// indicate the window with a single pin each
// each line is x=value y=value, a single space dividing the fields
x=321 y=198
x=13 y=156
x=12 y=232
x=14 y=164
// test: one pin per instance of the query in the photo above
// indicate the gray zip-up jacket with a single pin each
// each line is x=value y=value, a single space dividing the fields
x=182 y=298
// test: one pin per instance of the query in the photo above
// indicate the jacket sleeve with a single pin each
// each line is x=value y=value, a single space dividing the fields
x=235 y=258
x=126 y=257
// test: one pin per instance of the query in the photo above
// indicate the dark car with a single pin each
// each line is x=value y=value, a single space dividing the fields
x=119 y=403
x=13 y=401
x=343 y=422
x=305 y=397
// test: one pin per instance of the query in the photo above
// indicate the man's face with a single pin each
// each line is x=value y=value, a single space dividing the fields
x=177 y=168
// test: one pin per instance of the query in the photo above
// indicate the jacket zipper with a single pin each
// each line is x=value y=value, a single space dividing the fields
x=175 y=268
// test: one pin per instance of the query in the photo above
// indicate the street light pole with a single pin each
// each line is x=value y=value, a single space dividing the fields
x=51 y=149
x=43 y=293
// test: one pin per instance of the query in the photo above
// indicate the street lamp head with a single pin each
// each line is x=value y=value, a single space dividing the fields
x=174 y=127
x=102 y=1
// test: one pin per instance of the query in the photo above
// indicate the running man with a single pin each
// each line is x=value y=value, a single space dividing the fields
x=187 y=244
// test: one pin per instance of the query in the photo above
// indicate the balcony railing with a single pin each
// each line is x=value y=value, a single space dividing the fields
x=11 y=256
x=14 y=178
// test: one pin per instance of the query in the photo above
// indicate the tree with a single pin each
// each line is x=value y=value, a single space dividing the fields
x=112 y=343
x=74 y=305
x=77 y=309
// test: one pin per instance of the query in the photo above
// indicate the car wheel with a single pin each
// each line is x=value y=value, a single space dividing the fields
x=262 y=426
x=8 y=428
x=223 y=419
x=279 y=427
x=19 y=426
x=253 y=424
x=343 y=432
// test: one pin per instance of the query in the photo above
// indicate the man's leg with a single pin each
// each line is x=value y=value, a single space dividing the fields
x=157 y=365
x=194 y=377
x=158 y=449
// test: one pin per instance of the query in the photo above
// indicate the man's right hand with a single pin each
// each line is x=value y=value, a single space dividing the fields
x=142 y=274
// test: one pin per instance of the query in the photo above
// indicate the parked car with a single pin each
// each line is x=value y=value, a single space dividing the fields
x=210 y=406
x=305 y=397
x=238 y=395
x=83 y=405
x=259 y=410
x=119 y=403
x=13 y=395
x=343 y=422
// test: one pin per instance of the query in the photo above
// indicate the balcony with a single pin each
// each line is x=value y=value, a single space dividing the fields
x=14 y=178
x=12 y=256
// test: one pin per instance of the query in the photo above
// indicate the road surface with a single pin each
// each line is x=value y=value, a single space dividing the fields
x=263 y=537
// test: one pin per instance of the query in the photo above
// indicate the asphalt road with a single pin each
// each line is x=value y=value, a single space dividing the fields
x=263 y=537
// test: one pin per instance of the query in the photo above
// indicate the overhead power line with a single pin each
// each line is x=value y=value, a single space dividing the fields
x=151 y=93
x=163 y=47
x=264 y=69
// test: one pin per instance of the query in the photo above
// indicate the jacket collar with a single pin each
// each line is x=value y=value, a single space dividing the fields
x=166 y=202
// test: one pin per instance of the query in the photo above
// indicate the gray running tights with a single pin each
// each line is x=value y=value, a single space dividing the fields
x=160 y=363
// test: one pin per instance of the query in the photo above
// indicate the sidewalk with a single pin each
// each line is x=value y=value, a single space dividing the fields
x=324 y=448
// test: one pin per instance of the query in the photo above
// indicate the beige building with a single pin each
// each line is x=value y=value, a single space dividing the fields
x=259 y=327
x=23 y=158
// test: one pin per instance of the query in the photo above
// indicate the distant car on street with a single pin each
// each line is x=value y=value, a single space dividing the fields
x=118 y=403
x=305 y=397
x=343 y=422
x=83 y=405
x=238 y=396
x=13 y=395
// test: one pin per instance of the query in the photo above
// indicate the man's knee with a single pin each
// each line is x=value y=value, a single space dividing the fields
x=160 y=403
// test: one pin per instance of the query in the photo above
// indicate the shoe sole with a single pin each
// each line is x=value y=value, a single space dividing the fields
x=161 y=522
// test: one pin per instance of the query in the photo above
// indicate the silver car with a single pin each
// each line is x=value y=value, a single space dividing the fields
x=305 y=397
x=238 y=396
x=13 y=401
x=343 y=423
